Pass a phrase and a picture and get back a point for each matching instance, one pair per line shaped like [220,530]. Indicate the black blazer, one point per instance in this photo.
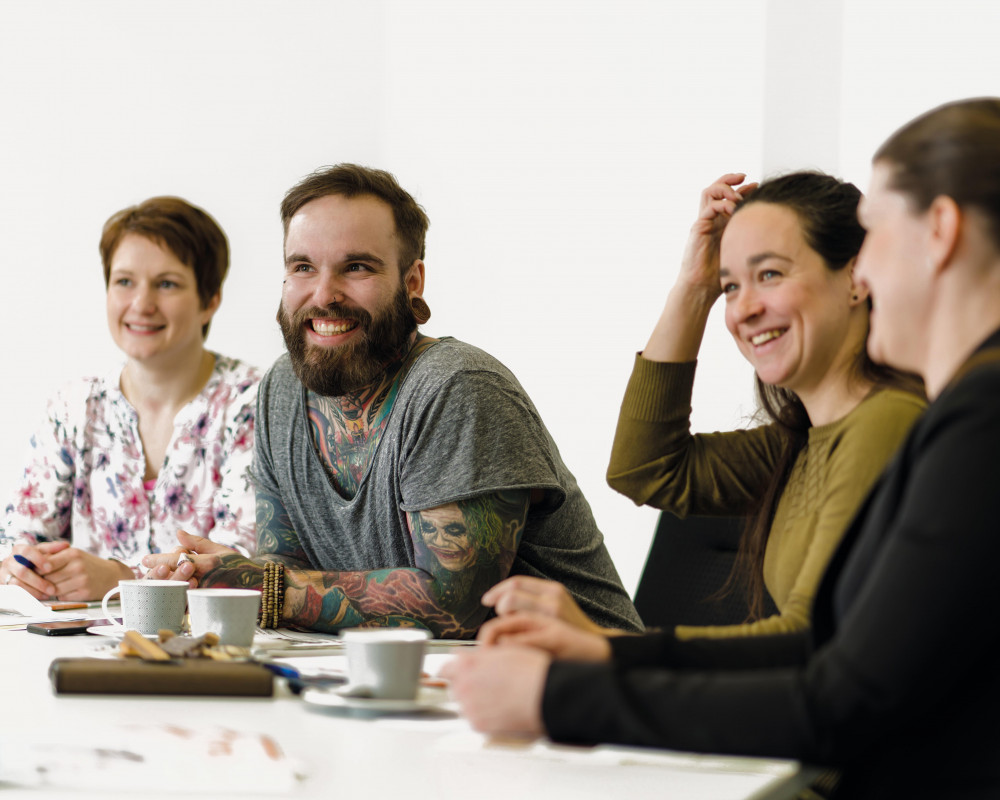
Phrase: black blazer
[899,681]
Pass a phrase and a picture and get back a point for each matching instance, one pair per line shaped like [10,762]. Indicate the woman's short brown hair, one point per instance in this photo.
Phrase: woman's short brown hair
[186,230]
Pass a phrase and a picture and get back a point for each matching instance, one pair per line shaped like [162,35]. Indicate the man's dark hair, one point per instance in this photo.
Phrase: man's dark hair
[352,180]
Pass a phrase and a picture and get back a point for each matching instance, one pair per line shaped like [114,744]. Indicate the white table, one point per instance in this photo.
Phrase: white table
[346,755]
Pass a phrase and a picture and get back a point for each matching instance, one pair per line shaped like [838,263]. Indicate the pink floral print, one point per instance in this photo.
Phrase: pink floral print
[84,476]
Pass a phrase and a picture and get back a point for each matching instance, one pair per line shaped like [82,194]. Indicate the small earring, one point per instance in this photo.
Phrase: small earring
[854,297]
[421,311]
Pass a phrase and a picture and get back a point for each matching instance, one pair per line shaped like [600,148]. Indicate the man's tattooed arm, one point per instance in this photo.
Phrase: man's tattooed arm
[276,538]
[460,550]
[276,541]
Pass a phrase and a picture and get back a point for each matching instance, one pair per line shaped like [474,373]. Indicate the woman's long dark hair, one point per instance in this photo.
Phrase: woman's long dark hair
[827,212]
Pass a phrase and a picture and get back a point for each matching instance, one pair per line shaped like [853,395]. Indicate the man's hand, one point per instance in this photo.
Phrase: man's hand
[500,688]
[555,637]
[548,598]
[193,560]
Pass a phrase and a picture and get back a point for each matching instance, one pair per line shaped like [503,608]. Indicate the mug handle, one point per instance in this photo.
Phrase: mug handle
[104,607]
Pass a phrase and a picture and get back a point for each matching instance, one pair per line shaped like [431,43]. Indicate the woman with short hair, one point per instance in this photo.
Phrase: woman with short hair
[122,462]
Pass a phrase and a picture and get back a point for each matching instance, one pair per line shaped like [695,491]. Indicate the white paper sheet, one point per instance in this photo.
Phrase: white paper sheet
[129,757]
[18,608]
[502,769]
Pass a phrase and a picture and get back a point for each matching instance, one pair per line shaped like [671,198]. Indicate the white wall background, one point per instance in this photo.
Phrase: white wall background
[558,146]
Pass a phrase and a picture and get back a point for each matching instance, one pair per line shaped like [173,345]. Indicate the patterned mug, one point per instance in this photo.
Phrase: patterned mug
[149,606]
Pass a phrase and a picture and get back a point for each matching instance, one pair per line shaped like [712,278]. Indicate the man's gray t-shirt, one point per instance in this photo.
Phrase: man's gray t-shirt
[461,426]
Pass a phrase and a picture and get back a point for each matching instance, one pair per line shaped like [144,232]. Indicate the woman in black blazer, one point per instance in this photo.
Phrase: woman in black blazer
[898,682]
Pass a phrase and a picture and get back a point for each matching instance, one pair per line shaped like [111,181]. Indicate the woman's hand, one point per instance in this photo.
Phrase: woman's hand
[63,572]
[33,581]
[700,265]
[79,575]
[554,636]
[679,331]
[500,689]
[547,598]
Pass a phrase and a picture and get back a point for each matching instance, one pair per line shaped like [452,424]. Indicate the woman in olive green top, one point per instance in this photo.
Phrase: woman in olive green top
[784,266]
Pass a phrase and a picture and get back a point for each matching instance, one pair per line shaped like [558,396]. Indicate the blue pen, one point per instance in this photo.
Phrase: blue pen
[26,562]
[282,671]
[297,681]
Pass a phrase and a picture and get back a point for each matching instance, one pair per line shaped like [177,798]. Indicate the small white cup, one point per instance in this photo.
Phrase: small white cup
[231,613]
[384,663]
[149,606]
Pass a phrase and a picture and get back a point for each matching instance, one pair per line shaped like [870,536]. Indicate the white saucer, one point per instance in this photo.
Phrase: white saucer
[429,698]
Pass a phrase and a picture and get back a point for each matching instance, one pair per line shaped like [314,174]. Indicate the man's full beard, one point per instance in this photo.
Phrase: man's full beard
[336,371]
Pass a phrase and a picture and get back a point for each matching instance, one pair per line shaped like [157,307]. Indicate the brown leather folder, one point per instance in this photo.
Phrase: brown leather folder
[191,676]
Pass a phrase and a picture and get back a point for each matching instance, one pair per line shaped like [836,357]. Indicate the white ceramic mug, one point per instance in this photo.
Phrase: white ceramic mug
[149,606]
[385,663]
[231,613]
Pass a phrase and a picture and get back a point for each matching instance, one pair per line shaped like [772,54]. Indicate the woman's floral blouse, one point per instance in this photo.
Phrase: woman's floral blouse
[84,479]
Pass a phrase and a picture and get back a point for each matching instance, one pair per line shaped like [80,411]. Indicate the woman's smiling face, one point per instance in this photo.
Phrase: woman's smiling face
[154,311]
[787,310]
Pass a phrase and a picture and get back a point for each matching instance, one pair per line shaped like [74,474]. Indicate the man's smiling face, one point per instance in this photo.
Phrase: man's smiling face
[344,310]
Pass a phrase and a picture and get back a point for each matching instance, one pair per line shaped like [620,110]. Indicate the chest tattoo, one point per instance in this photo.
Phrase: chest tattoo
[346,430]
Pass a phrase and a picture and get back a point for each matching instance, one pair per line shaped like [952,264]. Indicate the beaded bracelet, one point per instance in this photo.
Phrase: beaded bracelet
[277,593]
[265,597]
[265,591]
[272,594]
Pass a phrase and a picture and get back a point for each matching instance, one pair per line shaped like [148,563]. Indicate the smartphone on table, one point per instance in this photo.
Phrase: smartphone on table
[65,627]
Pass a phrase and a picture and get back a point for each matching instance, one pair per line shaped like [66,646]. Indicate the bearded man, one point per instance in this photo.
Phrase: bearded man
[381,453]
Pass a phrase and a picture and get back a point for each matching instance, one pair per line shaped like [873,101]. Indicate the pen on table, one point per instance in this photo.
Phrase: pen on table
[280,670]
[297,681]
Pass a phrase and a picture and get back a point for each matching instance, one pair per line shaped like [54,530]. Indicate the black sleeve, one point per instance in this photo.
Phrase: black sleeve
[663,649]
[717,712]
[915,646]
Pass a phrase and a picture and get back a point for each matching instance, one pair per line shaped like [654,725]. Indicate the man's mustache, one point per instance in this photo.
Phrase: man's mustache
[331,312]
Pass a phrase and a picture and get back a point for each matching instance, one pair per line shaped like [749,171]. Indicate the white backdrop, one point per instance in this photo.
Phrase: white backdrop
[558,147]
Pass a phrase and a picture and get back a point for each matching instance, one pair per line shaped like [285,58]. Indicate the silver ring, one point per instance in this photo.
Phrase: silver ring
[182,558]
[10,577]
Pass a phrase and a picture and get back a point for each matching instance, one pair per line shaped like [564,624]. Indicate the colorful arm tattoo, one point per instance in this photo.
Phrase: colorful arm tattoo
[460,549]
[276,539]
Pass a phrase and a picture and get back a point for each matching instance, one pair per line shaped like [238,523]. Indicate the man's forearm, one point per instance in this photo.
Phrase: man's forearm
[460,550]
[329,601]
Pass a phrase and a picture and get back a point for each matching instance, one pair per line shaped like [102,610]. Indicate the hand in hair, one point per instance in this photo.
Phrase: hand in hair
[700,264]
[678,333]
